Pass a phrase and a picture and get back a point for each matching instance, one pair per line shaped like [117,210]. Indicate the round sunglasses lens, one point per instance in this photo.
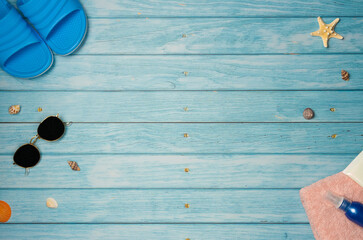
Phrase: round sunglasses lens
[27,156]
[51,129]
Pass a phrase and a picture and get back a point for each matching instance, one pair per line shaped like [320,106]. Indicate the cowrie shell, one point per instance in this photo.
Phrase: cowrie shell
[52,203]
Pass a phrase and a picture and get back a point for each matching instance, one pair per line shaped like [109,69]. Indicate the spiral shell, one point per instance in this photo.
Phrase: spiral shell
[345,75]
[52,203]
[15,109]
[74,166]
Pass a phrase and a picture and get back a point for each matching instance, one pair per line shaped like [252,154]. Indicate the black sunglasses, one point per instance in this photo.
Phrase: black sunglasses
[27,156]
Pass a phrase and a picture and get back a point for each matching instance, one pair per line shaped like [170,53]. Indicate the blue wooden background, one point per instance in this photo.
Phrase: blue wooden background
[218,87]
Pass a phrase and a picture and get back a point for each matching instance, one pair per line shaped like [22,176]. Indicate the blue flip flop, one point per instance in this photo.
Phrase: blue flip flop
[61,23]
[23,53]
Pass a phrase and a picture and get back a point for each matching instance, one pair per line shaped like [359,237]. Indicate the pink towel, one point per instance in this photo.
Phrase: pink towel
[327,222]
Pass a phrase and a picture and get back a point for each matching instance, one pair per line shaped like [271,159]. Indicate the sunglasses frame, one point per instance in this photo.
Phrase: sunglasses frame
[27,169]
[39,137]
[34,139]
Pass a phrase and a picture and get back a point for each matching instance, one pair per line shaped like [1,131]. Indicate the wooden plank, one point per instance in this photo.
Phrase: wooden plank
[155,206]
[155,231]
[218,36]
[216,8]
[235,106]
[214,72]
[168,171]
[89,138]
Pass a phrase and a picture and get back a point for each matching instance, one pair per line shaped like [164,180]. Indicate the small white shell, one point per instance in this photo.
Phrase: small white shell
[15,109]
[52,203]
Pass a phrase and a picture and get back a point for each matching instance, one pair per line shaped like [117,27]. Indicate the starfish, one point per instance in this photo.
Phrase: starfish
[326,31]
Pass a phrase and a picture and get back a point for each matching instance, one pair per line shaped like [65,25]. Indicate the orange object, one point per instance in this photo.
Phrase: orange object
[5,212]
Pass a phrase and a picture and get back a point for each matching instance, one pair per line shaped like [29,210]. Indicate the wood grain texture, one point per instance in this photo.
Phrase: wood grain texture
[202,138]
[216,8]
[217,72]
[156,231]
[133,173]
[155,206]
[168,171]
[218,36]
[235,106]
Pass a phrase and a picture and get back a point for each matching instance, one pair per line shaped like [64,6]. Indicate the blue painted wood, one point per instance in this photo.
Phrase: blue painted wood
[243,30]
[168,171]
[235,106]
[216,8]
[156,231]
[201,138]
[155,206]
[217,72]
[218,36]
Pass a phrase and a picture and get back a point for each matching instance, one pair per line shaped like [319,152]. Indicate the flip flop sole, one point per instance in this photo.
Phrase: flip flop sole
[81,42]
[61,23]
[68,35]
[35,60]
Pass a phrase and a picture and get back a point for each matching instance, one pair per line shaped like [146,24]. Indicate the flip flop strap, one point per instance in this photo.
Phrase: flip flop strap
[46,14]
[15,34]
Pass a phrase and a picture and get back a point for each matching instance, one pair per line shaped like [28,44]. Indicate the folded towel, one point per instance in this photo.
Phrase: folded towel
[327,222]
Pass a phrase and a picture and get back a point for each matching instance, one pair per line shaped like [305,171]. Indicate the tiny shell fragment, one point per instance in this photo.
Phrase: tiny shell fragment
[52,203]
[15,109]
[74,166]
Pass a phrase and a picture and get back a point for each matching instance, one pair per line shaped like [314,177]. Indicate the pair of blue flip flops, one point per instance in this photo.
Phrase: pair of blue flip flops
[61,26]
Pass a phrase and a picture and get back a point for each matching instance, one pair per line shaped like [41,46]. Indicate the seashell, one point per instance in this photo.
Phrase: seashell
[15,109]
[52,203]
[5,212]
[74,165]
[308,113]
[345,75]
